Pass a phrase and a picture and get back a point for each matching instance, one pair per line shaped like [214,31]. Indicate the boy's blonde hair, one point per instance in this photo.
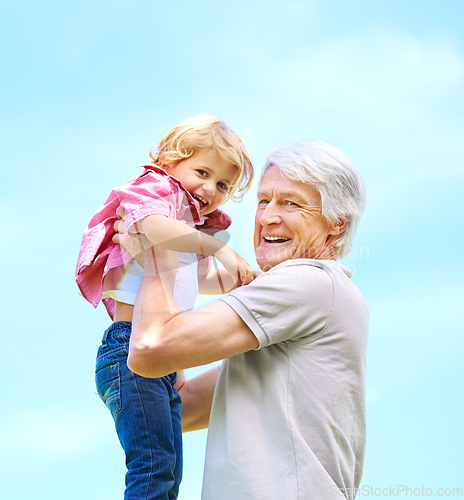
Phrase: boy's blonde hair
[207,132]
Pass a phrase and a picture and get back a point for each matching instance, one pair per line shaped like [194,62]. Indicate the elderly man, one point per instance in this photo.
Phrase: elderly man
[288,415]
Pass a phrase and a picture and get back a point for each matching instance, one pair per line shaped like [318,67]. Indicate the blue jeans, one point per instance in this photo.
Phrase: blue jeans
[146,412]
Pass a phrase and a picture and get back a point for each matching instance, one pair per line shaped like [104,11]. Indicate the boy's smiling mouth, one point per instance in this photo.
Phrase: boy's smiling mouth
[202,201]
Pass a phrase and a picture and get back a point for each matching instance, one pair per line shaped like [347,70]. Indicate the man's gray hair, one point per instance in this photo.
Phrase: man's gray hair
[331,172]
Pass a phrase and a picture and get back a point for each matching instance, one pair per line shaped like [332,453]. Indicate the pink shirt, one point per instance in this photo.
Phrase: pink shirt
[152,192]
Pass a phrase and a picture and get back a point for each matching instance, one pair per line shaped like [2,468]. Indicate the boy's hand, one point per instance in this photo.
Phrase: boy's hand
[236,266]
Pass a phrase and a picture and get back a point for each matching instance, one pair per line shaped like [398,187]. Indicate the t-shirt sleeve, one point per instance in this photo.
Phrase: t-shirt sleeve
[286,303]
[147,195]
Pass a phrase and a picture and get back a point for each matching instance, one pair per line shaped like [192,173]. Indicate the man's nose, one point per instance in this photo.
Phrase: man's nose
[270,215]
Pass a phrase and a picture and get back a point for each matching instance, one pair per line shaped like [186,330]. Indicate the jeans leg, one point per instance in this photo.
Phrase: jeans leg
[147,418]
[145,430]
[176,408]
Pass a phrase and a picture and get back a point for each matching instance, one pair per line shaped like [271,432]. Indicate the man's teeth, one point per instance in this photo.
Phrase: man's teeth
[276,238]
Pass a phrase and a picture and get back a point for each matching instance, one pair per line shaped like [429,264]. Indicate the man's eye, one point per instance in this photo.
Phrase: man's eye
[291,203]
[263,202]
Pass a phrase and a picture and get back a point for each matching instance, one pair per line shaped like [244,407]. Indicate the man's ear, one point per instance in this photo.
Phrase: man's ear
[338,227]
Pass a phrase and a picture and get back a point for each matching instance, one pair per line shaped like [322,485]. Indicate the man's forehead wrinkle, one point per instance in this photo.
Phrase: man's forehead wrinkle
[287,191]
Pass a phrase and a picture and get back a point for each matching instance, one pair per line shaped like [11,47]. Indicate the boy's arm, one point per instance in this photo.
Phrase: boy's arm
[216,282]
[180,237]
[219,281]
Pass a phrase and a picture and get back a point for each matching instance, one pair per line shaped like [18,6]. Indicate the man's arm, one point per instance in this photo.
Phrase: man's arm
[164,341]
[197,398]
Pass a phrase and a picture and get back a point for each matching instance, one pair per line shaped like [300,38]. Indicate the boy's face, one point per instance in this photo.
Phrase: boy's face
[206,176]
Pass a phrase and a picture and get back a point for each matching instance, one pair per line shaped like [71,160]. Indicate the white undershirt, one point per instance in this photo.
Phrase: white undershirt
[123,282]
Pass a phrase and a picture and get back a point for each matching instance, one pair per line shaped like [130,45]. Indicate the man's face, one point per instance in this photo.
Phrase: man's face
[288,222]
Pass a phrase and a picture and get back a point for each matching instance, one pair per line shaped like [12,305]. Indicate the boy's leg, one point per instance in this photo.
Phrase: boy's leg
[145,430]
[176,408]
[142,413]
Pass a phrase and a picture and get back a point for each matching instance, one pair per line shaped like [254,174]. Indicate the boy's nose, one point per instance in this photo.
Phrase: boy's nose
[209,188]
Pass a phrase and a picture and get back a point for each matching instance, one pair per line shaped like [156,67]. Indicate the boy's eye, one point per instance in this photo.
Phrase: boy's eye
[223,186]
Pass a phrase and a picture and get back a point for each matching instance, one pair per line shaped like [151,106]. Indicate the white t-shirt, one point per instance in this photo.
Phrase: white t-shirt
[123,282]
[288,419]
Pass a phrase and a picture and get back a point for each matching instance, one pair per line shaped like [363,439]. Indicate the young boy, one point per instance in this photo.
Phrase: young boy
[198,166]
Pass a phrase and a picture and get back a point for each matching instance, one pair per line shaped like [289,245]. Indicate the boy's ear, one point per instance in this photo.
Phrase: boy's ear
[164,162]
[338,227]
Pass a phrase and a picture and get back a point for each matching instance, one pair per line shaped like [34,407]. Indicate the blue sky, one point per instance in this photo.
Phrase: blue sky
[89,87]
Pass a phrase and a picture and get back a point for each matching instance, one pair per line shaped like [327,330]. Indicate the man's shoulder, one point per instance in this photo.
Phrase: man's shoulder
[291,300]
[309,278]
[304,277]
[307,267]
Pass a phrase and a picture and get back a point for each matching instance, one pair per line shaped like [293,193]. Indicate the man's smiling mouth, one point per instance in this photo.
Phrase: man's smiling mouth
[201,200]
[275,239]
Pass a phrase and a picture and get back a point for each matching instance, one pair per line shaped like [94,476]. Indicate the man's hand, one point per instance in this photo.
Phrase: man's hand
[137,244]
[156,260]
